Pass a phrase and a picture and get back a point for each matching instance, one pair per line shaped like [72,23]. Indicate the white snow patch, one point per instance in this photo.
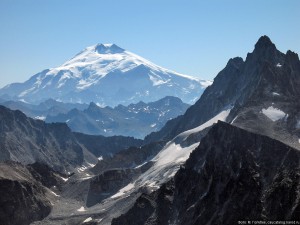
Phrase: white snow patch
[27,91]
[91,165]
[275,93]
[84,167]
[140,165]
[23,100]
[153,125]
[101,105]
[68,120]
[64,179]
[273,113]
[100,158]
[234,119]
[153,184]
[157,80]
[88,220]
[205,83]
[278,65]
[166,164]
[86,178]
[52,192]
[81,209]
[123,191]
[40,117]
[173,153]
[221,116]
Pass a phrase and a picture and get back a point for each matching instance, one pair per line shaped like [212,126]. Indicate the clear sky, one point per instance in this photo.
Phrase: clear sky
[192,37]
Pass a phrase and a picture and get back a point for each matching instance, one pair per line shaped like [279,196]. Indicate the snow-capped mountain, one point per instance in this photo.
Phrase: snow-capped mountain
[108,75]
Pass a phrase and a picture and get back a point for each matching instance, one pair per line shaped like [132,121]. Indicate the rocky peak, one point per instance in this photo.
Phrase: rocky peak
[93,106]
[265,51]
[235,62]
[108,49]
[292,59]
[264,42]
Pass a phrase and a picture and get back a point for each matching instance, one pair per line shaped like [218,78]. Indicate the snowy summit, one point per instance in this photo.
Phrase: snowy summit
[108,75]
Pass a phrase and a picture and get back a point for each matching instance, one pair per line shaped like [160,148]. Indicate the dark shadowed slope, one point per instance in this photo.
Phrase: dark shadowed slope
[233,175]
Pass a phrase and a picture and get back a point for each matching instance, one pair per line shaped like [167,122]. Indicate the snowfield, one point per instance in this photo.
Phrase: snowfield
[273,113]
[167,162]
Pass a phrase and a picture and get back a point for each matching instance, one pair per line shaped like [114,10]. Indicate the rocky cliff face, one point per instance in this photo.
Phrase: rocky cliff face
[128,158]
[266,78]
[273,108]
[233,175]
[26,140]
[107,184]
[23,199]
[102,146]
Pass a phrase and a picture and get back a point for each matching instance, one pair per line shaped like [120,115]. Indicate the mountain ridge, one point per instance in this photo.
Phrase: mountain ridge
[264,72]
[135,120]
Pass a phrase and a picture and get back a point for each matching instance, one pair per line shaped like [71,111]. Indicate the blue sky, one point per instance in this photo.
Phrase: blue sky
[192,37]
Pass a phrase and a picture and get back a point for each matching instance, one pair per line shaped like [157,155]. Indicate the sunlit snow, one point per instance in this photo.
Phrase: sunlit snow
[273,113]
[64,179]
[123,191]
[52,192]
[168,160]
[81,209]
[221,116]
[102,64]
[88,220]
[40,117]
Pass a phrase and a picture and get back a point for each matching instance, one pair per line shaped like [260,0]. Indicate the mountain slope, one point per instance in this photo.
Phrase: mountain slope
[23,199]
[26,140]
[108,75]
[267,78]
[135,120]
[234,175]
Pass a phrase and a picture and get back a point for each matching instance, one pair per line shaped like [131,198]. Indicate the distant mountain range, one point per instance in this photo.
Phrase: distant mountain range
[50,107]
[136,120]
[107,75]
